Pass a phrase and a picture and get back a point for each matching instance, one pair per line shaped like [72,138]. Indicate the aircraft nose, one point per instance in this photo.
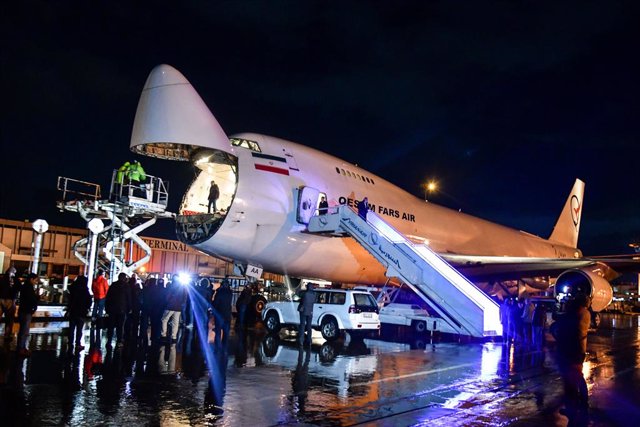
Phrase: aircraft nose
[164,75]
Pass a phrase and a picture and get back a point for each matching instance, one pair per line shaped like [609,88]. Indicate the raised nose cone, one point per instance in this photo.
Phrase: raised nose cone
[172,121]
[164,75]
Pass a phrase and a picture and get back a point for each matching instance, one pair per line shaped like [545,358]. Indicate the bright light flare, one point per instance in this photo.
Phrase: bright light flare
[432,186]
[184,278]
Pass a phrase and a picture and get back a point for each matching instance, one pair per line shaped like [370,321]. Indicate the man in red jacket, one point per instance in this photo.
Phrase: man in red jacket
[100,286]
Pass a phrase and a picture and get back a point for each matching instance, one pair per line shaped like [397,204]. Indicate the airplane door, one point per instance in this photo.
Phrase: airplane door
[307,202]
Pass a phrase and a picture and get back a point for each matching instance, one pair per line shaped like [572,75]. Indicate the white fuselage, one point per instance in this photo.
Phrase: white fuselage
[261,227]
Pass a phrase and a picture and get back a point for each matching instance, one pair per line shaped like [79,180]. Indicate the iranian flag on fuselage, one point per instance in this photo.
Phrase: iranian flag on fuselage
[269,163]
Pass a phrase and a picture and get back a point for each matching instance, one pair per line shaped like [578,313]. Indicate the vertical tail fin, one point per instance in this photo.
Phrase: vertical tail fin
[567,227]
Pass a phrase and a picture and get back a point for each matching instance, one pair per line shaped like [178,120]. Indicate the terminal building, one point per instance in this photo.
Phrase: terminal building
[58,261]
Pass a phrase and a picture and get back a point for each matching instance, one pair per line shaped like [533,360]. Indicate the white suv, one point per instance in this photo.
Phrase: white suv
[335,311]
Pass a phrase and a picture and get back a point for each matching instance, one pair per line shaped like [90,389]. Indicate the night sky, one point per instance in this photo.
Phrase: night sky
[504,103]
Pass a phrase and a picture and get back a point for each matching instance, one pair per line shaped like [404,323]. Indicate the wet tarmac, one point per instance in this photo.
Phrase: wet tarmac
[260,380]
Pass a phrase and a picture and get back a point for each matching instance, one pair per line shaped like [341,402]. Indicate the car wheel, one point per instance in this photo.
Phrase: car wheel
[420,326]
[258,305]
[272,322]
[329,329]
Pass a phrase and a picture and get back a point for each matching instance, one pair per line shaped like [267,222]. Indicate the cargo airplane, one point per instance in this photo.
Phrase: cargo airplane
[269,187]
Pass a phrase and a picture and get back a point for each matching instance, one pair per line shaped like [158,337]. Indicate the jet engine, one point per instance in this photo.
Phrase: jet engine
[585,281]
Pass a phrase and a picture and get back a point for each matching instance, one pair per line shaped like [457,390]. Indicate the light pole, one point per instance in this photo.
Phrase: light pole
[430,187]
[96,226]
[40,226]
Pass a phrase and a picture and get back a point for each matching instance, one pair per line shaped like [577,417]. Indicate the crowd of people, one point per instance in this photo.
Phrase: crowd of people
[153,311]
[523,322]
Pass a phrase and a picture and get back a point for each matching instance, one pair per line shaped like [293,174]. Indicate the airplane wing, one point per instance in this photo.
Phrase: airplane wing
[489,268]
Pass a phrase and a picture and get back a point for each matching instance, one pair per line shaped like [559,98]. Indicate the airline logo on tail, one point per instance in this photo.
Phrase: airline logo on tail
[575,210]
[566,230]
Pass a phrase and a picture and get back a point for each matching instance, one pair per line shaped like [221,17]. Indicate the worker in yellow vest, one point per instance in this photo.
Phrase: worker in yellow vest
[136,176]
[121,174]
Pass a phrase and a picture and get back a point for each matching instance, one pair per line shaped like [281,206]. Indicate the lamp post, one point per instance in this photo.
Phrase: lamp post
[96,226]
[40,226]
[430,187]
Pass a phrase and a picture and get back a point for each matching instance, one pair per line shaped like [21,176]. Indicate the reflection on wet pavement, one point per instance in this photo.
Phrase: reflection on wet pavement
[269,380]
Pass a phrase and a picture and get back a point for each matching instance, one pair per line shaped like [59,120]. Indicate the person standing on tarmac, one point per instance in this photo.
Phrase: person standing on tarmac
[118,304]
[133,319]
[222,312]
[305,308]
[100,287]
[28,305]
[243,302]
[570,332]
[504,319]
[538,325]
[9,287]
[176,300]
[79,304]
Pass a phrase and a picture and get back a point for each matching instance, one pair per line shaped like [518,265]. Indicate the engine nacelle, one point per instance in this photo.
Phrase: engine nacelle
[586,281]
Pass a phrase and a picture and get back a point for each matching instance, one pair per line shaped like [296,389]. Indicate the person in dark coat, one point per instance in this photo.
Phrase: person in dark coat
[214,193]
[243,302]
[28,305]
[9,287]
[505,319]
[323,206]
[133,319]
[118,305]
[157,310]
[363,208]
[538,325]
[570,332]
[222,312]
[149,296]
[305,308]
[79,304]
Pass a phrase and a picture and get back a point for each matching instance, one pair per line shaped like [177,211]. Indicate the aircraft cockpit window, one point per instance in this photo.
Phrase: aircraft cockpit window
[245,143]
[338,170]
[343,172]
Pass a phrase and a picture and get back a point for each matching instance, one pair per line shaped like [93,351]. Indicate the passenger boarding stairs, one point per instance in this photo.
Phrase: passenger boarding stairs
[464,308]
